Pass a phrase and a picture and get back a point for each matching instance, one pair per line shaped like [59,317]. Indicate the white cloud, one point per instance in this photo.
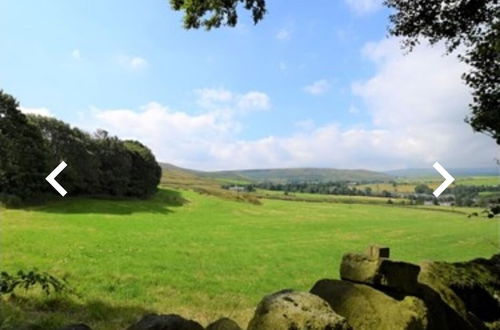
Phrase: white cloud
[37,111]
[254,101]
[76,54]
[421,100]
[282,65]
[364,6]
[172,135]
[213,97]
[283,34]
[223,99]
[317,87]
[134,63]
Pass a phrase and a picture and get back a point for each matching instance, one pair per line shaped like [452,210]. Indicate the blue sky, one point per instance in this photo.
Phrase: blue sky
[310,85]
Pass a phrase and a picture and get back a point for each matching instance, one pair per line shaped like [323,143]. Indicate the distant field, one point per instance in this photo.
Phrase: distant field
[204,257]
[479,180]
[328,198]
[408,185]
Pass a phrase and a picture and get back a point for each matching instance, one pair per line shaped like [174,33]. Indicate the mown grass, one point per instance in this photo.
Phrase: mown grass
[206,257]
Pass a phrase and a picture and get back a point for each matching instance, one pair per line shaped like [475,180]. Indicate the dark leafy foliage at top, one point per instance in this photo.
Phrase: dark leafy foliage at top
[214,13]
[471,24]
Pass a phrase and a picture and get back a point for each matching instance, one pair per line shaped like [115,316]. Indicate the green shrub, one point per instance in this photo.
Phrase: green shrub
[30,279]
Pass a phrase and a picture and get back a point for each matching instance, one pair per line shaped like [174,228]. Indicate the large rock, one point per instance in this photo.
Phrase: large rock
[367,308]
[396,275]
[471,289]
[224,324]
[165,322]
[295,310]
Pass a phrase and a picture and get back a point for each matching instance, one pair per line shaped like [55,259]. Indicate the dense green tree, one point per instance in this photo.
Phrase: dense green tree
[473,25]
[76,148]
[423,189]
[23,154]
[115,165]
[214,13]
[145,172]
[31,146]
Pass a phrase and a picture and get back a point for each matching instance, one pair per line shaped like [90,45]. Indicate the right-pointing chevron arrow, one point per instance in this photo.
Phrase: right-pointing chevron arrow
[447,176]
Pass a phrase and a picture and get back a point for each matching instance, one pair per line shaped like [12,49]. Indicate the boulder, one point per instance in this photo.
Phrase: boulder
[365,307]
[224,324]
[165,322]
[289,309]
[396,275]
[76,326]
[471,289]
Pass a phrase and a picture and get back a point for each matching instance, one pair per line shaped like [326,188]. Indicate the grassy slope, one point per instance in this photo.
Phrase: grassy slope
[210,257]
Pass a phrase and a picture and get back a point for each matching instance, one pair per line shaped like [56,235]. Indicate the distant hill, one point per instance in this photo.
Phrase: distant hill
[429,172]
[289,175]
[308,175]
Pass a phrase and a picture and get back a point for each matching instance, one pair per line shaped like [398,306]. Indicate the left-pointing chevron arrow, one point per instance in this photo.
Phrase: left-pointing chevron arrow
[51,178]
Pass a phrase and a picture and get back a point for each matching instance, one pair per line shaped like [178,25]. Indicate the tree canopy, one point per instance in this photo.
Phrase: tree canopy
[31,146]
[214,13]
[471,24]
[22,153]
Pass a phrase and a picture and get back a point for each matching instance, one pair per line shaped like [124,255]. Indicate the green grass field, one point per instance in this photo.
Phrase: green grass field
[205,257]
[479,181]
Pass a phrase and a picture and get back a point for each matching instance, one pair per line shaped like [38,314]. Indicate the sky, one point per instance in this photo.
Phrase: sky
[315,84]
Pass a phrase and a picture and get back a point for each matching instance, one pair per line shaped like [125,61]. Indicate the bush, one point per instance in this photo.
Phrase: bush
[28,280]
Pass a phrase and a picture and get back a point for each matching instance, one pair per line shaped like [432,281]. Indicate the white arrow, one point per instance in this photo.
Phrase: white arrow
[51,178]
[448,179]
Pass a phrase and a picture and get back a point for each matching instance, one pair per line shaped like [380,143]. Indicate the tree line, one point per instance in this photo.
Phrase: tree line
[31,146]
[324,188]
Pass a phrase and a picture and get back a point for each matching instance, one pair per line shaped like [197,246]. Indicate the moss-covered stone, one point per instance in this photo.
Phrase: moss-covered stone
[367,308]
[289,309]
[224,324]
[471,288]
[397,275]
[165,322]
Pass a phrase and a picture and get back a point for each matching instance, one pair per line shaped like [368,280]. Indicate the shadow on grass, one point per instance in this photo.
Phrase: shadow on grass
[53,313]
[161,202]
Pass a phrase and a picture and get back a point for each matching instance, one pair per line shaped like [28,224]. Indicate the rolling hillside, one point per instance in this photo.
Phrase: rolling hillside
[286,175]
[308,175]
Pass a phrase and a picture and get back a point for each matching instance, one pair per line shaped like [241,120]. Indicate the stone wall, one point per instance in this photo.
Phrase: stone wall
[374,292]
